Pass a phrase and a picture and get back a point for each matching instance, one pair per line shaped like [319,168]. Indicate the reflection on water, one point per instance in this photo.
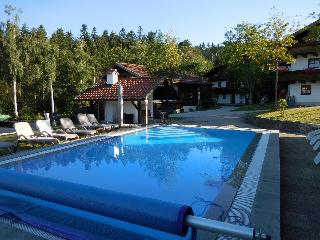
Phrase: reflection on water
[173,164]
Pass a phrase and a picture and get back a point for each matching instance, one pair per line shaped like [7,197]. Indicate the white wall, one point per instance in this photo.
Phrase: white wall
[223,84]
[313,99]
[227,99]
[239,99]
[128,108]
[110,111]
[301,62]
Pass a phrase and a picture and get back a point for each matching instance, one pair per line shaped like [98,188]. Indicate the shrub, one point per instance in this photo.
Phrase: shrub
[4,117]
[282,105]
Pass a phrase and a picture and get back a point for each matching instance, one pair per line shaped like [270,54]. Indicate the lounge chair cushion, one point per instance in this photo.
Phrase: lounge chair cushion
[25,133]
[82,131]
[92,118]
[45,128]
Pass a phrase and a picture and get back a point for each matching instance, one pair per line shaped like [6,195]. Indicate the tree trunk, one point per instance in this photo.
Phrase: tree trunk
[52,98]
[250,96]
[276,89]
[250,84]
[15,98]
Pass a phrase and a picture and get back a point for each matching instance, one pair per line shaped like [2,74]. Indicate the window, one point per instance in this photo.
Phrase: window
[314,63]
[224,96]
[219,84]
[305,89]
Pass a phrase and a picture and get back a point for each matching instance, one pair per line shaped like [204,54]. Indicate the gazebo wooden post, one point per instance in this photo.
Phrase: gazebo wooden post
[120,105]
[146,111]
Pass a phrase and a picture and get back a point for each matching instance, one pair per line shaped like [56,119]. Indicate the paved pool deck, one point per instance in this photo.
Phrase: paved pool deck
[300,189]
[222,117]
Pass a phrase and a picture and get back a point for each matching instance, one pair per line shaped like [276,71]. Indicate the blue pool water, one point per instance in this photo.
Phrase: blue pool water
[175,164]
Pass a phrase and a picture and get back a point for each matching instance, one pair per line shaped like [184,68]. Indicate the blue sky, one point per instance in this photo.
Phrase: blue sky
[196,20]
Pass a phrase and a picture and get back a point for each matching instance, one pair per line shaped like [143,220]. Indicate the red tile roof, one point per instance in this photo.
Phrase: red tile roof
[133,89]
[111,70]
[135,69]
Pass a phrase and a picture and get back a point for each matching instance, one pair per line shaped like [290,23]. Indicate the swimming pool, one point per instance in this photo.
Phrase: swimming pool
[174,164]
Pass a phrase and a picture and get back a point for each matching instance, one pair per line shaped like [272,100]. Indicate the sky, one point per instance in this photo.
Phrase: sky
[196,20]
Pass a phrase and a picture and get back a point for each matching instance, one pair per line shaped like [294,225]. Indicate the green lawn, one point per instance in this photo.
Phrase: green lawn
[299,114]
[255,107]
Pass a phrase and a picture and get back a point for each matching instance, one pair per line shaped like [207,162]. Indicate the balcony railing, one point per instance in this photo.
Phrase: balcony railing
[300,75]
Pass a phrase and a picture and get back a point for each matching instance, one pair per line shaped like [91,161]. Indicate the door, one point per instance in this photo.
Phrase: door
[233,99]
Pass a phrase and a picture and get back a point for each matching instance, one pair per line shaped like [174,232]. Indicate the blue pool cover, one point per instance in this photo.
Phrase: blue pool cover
[160,215]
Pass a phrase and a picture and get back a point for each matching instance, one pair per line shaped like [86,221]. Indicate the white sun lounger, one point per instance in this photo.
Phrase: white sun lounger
[26,134]
[46,129]
[86,124]
[69,127]
[316,146]
[312,134]
[314,139]
[317,159]
[92,118]
[84,121]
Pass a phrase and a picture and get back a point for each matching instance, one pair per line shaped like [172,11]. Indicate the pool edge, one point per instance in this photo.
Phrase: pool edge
[19,156]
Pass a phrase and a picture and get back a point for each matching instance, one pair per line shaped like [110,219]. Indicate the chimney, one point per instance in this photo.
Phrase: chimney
[112,76]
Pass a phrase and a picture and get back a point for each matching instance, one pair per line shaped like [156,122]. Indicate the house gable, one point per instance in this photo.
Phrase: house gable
[131,70]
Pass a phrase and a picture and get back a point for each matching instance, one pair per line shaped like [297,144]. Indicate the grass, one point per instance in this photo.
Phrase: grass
[299,114]
[255,107]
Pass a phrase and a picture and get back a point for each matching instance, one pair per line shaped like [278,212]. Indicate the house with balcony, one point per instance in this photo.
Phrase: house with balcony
[223,89]
[181,91]
[301,80]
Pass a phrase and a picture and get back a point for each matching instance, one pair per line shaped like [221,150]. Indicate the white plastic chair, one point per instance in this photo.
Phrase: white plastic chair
[92,118]
[69,127]
[46,129]
[26,134]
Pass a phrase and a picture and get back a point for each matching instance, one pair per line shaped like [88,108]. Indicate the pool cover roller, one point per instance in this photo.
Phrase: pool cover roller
[151,213]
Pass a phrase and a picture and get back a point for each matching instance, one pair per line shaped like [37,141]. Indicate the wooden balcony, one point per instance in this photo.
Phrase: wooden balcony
[306,48]
[300,75]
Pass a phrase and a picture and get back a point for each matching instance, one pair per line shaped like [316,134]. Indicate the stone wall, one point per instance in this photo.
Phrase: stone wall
[283,126]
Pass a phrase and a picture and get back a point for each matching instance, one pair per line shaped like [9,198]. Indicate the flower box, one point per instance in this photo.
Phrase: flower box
[309,70]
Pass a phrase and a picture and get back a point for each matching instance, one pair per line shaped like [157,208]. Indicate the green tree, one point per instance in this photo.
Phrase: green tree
[242,54]
[193,61]
[55,69]
[258,49]
[279,39]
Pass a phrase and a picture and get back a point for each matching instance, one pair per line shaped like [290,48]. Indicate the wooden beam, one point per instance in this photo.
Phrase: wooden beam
[135,105]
